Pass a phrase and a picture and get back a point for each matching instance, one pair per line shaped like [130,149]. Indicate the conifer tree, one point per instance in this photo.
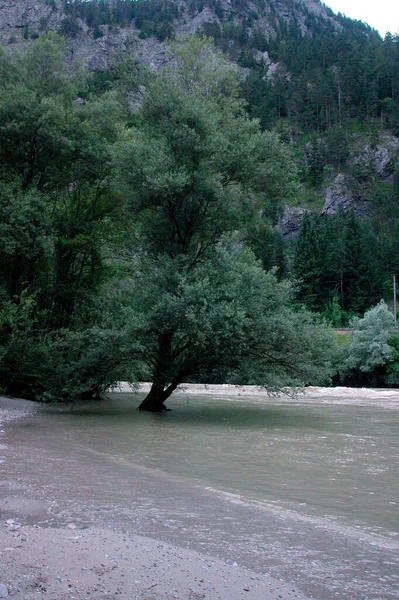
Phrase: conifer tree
[307,267]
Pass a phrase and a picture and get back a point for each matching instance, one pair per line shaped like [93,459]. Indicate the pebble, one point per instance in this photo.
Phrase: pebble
[3,591]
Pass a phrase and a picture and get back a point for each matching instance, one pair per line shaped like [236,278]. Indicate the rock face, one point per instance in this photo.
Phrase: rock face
[95,53]
[342,195]
[377,160]
[291,221]
[18,14]
[36,16]
[42,15]
[379,157]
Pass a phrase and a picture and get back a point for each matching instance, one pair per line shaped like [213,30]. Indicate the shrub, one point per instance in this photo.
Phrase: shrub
[368,350]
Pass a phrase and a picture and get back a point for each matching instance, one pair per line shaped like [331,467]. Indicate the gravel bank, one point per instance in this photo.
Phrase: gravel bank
[226,389]
[15,408]
[75,564]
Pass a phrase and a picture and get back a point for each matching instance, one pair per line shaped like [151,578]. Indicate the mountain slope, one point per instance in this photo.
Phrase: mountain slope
[328,85]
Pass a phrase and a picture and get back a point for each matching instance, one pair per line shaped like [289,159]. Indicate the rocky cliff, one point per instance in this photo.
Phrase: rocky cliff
[21,20]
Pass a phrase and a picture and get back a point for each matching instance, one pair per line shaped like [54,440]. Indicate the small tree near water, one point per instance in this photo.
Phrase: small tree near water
[368,348]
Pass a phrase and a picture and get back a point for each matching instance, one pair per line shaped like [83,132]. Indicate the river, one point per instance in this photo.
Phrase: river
[305,489]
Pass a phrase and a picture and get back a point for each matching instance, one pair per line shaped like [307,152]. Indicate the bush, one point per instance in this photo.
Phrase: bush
[63,365]
[392,376]
[70,27]
[368,350]
[97,33]
[80,365]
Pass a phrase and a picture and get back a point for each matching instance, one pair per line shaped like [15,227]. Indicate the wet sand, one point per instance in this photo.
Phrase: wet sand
[71,561]
[61,564]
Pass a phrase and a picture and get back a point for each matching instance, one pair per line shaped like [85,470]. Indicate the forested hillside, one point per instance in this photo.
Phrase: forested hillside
[151,181]
[328,85]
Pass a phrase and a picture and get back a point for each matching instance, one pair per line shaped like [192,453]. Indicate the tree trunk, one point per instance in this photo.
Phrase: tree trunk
[154,401]
[161,389]
[159,392]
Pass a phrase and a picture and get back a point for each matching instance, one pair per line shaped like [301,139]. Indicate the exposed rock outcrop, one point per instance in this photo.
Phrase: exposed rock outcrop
[95,54]
[379,158]
[16,14]
[290,221]
[342,195]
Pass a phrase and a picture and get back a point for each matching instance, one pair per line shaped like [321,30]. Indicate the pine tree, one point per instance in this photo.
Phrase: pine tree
[307,268]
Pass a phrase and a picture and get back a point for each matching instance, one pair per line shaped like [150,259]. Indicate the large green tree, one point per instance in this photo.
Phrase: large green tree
[57,210]
[195,169]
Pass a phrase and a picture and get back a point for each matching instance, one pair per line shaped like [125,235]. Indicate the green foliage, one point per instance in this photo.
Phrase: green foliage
[43,69]
[152,17]
[194,168]
[70,27]
[97,33]
[334,314]
[334,79]
[82,364]
[224,319]
[368,348]
[336,148]
[308,263]
[20,326]
[315,163]
[341,338]
[57,213]
[25,228]
[191,167]
[333,267]
[392,376]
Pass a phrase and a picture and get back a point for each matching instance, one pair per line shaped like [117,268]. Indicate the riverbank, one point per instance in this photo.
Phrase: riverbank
[226,389]
[15,408]
[100,564]
[43,558]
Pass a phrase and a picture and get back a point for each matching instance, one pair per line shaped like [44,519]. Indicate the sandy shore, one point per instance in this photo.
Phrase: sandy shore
[67,564]
[75,562]
[12,408]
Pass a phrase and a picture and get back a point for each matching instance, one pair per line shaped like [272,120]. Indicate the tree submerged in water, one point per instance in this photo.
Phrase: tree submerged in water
[224,319]
[198,176]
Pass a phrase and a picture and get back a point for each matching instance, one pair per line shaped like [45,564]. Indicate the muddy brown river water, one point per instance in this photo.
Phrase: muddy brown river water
[306,490]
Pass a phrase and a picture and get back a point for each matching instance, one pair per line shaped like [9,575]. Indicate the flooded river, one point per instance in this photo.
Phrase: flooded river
[307,489]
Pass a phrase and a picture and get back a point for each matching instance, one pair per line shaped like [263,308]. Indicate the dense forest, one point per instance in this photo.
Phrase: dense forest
[140,239]
[336,73]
